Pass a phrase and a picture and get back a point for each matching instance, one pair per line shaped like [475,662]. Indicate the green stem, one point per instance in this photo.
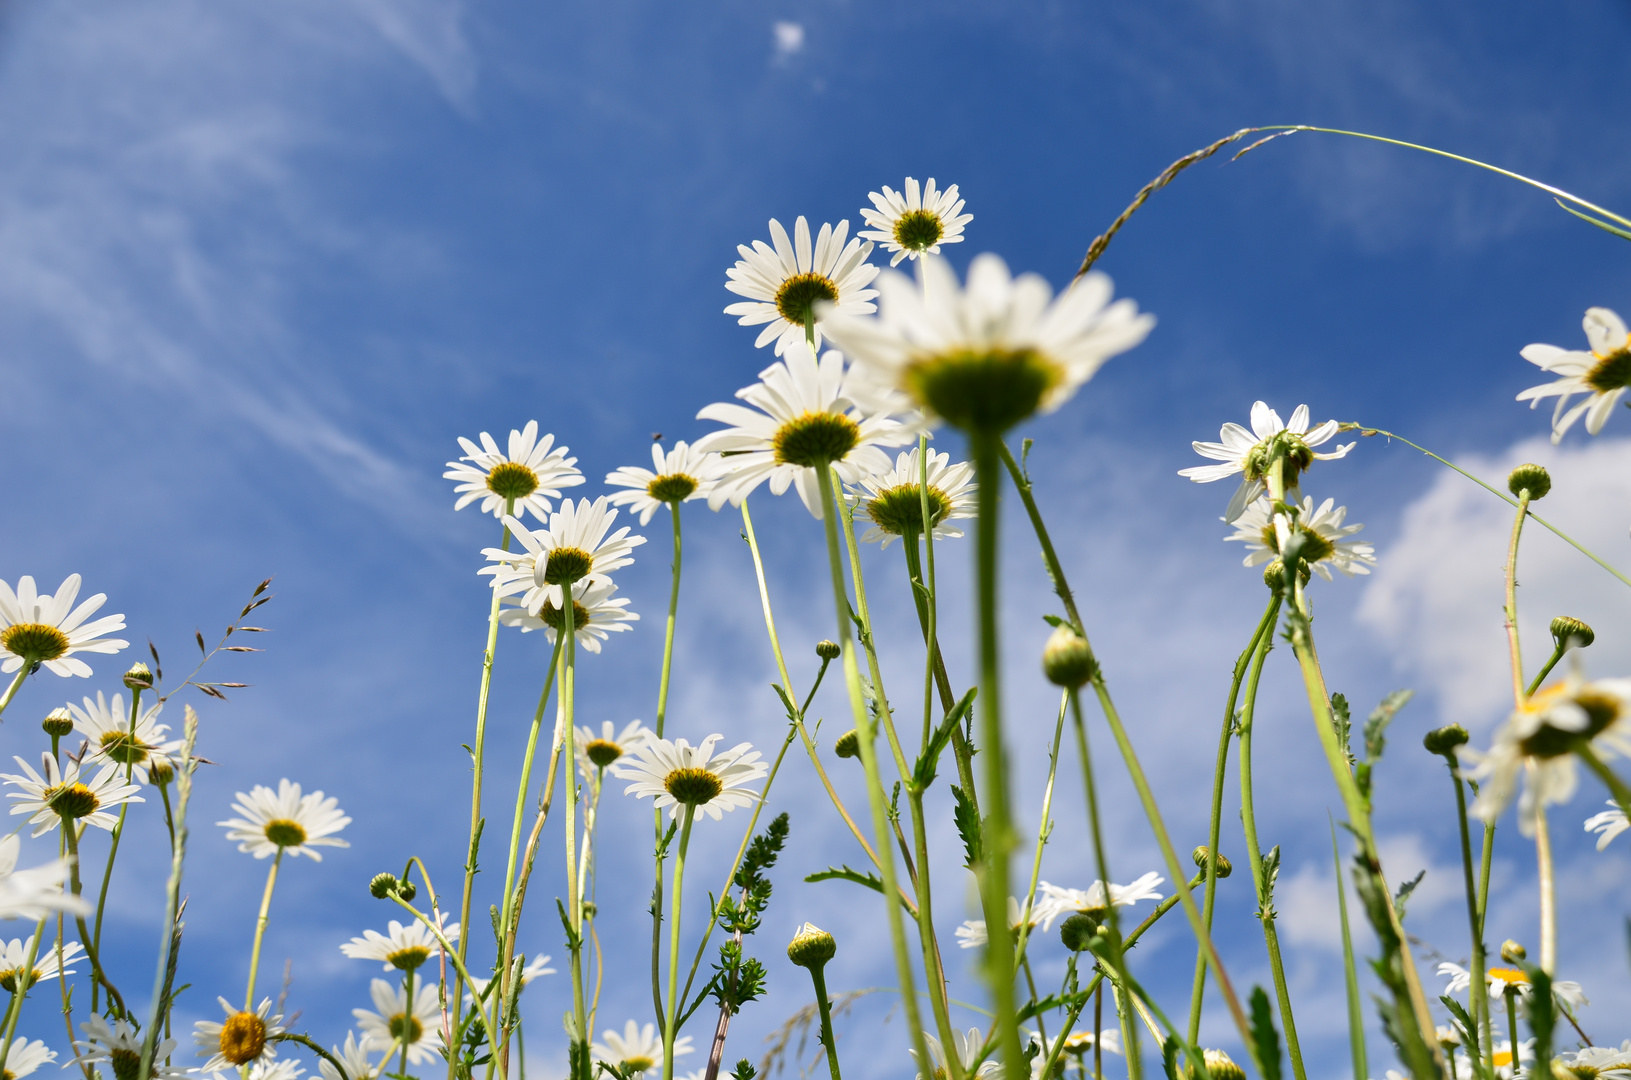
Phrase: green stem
[669,1031]
[169,942]
[1616,786]
[1546,668]
[863,611]
[825,1008]
[961,751]
[1548,891]
[1512,600]
[463,974]
[1486,859]
[1478,988]
[23,978]
[260,929]
[407,986]
[668,632]
[567,634]
[118,832]
[1511,1025]
[1356,1016]
[16,684]
[1044,830]
[70,836]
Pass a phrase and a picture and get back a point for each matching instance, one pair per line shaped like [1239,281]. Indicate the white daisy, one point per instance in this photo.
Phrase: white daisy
[404,948]
[1078,1043]
[1504,980]
[531,473]
[49,630]
[536,968]
[1057,901]
[37,892]
[1598,1062]
[56,794]
[353,1056]
[597,752]
[1502,1058]
[107,727]
[784,284]
[119,1046]
[285,821]
[972,933]
[894,499]
[1603,373]
[1246,452]
[676,773]
[804,416]
[14,957]
[595,613]
[1538,740]
[26,1056]
[1081,1042]
[1325,542]
[968,1049]
[420,1031]
[987,356]
[912,222]
[266,1070]
[574,546]
[1608,824]
[683,474]
[241,1038]
[638,1047]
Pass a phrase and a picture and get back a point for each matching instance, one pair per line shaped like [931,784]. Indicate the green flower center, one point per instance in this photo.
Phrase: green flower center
[243,1037]
[983,391]
[671,488]
[1612,372]
[120,746]
[556,620]
[1601,711]
[1298,457]
[692,786]
[10,977]
[72,800]
[1582,1072]
[127,1064]
[285,833]
[407,1028]
[799,294]
[408,959]
[816,439]
[917,230]
[512,480]
[602,752]
[638,1064]
[899,509]
[1315,546]
[34,641]
[567,564]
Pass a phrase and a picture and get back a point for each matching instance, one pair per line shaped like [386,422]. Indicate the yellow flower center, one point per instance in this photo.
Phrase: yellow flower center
[122,747]
[799,294]
[1509,975]
[512,480]
[899,509]
[34,641]
[285,833]
[816,439]
[243,1037]
[1315,546]
[1546,742]
[408,959]
[566,565]
[671,488]
[72,800]
[693,786]
[638,1063]
[918,230]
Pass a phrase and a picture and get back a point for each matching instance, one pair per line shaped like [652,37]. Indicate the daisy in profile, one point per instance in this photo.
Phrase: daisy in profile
[804,418]
[596,612]
[14,959]
[1247,453]
[531,473]
[787,285]
[419,1030]
[1057,901]
[536,968]
[25,1057]
[36,628]
[676,774]
[1596,1062]
[1082,1042]
[1602,374]
[972,934]
[638,1049]
[353,1056]
[985,356]
[1608,824]
[285,822]
[267,1070]
[119,1046]
[404,948]
[893,500]
[682,474]
[37,892]
[1502,981]
[243,1037]
[1325,538]
[573,547]
[602,751]
[106,726]
[916,221]
[968,1051]
[54,796]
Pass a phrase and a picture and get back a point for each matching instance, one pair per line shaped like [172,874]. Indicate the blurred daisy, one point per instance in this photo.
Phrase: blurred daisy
[1056,901]
[683,474]
[420,1031]
[1081,1042]
[915,221]
[1603,373]
[987,356]
[894,499]
[1503,980]
[531,473]
[285,821]
[267,1070]
[404,948]
[1502,1058]
[26,1056]
[1325,542]
[968,1050]
[638,1049]
[51,795]
[804,417]
[1597,1062]
[972,933]
[107,727]
[784,284]
[14,958]
[595,613]
[601,751]
[119,1046]
[1608,824]
[45,629]
[1246,452]
[574,546]
[37,892]
[353,1056]
[241,1038]
[676,773]
[536,968]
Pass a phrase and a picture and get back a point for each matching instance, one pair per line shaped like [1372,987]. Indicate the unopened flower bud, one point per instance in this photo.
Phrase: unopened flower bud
[1567,632]
[1443,741]
[383,886]
[828,650]
[406,890]
[160,772]
[1512,952]
[1274,574]
[139,677]
[58,722]
[1078,931]
[811,947]
[1067,660]
[1531,478]
[1218,1064]
[1203,853]
[848,744]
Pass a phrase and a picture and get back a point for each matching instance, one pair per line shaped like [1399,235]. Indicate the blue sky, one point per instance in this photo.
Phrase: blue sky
[260,266]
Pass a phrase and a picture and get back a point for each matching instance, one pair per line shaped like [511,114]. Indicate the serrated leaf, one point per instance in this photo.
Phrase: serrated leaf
[1342,721]
[968,826]
[1379,719]
[1469,1030]
[1264,1037]
[924,772]
[1401,897]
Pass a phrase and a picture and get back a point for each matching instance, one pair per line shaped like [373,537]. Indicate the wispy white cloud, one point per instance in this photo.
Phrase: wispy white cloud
[788,39]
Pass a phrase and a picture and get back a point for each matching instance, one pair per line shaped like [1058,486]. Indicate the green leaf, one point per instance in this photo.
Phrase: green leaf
[968,826]
[1464,1023]
[1540,1007]
[1379,719]
[1603,225]
[787,702]
[1341,720]
[1401,897]
[1264,1037]
[844,873]
[1169,1056]
[923,773]
[1054,621]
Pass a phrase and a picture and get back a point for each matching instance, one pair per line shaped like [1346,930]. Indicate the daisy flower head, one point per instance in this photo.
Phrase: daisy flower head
[972,934]
[26,1056]
[574,546]
[1603,373]
[37,892]
[268,1070]
[792,286]
[536,968]
[1502,981]
[285,821]
[353,1056]
[106,725]
[805,417]
[985,356]
[404,948]
[1082,1042]
[1608,824]
[638,1049]
[916,221]
[678,774]
[1504,1054]
[241,1038]
[1325,538]
[1538,740]
[1597,1062]
[53,794]
[682,474]
[119,1046]
[595,613]
[602,750]
[525,478]
[1251,453]
[967,1048]
[894,499]
[14,963]
[419,1029]
[1057,901]
[37,628]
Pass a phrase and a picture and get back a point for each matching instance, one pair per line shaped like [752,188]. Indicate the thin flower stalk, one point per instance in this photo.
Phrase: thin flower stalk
[1478,989]
[668,630]
[1350,970]
[70,836]
[168,940]
[463,974]
[920,572]
[260,929]
[670,1013]
[14,1008]
[1548,892]
[574,910]
[1511,610]
[1044,831]
[113,843]
[11,692]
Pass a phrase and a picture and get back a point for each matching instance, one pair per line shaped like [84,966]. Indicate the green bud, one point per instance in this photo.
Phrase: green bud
[1444,740]
[58,722]
[1567,633]
[828,650]
[160,772]
[383,886]
[406,890]
[1274,574]
[811,947]
[1202,853]
[1067,660]
[1218,1064]
[1529,477]
[1078,931]
[139,677]
[848,744]
[1512,952]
